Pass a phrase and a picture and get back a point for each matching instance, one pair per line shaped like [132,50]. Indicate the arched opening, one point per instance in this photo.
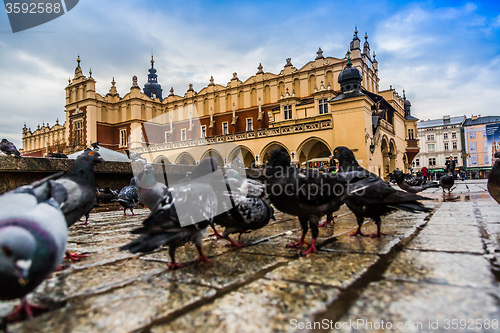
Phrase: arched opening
[392,155]
[270,147]
[162,159]
[296,87]
[215,154]
[242,154]
[185,159]
[313,148]
[253,97]
[312,84]
[385,158]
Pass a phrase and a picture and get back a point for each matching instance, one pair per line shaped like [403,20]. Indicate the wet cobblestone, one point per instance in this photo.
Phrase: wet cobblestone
[429,268]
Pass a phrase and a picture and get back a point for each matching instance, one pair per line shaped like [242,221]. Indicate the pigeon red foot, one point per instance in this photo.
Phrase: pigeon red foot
[299,243]
[73,256]
[311,249]
[203,258]
[26,309]
[175,265]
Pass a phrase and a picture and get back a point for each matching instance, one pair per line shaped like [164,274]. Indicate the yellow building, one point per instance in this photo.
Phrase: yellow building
[309,110]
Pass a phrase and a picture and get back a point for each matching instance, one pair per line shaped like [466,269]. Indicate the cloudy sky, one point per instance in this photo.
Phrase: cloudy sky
[445,54]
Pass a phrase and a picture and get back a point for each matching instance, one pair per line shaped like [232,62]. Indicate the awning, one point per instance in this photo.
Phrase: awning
[106,154]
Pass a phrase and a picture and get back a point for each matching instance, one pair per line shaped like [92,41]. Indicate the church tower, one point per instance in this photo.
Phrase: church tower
[153,88]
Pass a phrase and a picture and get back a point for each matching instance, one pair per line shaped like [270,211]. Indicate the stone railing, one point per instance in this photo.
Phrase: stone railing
[249,135]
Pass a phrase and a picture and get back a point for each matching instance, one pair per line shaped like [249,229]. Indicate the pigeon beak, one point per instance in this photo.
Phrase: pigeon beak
[22,271]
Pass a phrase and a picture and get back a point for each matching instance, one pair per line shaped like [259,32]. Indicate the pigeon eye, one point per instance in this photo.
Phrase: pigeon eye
[7,251]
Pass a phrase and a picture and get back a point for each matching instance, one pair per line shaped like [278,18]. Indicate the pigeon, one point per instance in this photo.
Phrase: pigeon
[370,196]
[249,209]
[309,195]
[494,179]
[400,180]
[447,181]
[80,184]
[135,157]
[128,197]
[9,148]
[58,155]
[149,189]
[73,190]
[106,195]
[33,237]
[180,216]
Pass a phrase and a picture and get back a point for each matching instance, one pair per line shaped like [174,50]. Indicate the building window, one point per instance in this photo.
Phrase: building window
[430,137]
[445,135]
[472,135]
[454,145]
[123,137]
[323,106]
[473,147]
[167,137]
[203,131]
[287,111]
[473,159]
[249,124]
[183,134]
[455,158]
[484,133]
[417,162]
[78,130]
[446,146]
[454,135]
[411,134]
[431,147]
[224,128]
[432,161]
[486,159]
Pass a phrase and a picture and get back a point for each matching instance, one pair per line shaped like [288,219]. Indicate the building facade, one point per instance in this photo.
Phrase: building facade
[309,110]
[481,143]
[439,139]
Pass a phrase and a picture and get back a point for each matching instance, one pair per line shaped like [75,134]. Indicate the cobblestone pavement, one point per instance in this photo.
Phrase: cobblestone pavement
[433,272]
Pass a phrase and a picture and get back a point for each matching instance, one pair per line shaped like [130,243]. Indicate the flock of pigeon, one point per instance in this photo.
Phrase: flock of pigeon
[34,219]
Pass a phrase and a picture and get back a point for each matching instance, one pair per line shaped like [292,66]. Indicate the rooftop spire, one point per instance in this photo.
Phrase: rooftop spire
[349,63]
[78,60]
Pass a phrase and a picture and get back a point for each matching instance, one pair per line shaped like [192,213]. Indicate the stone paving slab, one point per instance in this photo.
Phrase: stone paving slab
[420,305]
[325,268]
[457,269]
[262,306]
[121,310]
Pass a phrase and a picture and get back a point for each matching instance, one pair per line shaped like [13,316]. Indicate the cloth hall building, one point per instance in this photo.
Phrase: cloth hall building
[308,110]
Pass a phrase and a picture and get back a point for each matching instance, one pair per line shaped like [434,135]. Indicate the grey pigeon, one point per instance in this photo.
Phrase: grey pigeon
[128,197]
[149,189]
[494,179]
[245,213]
[77,186]
[135,157]
[180,216]
[9,148]
[369,195]
[309,195]
[400,180]
[33,237]
[80,185]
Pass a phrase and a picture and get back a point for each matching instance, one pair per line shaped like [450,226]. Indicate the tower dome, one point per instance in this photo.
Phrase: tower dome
[350,78]
[153,87]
